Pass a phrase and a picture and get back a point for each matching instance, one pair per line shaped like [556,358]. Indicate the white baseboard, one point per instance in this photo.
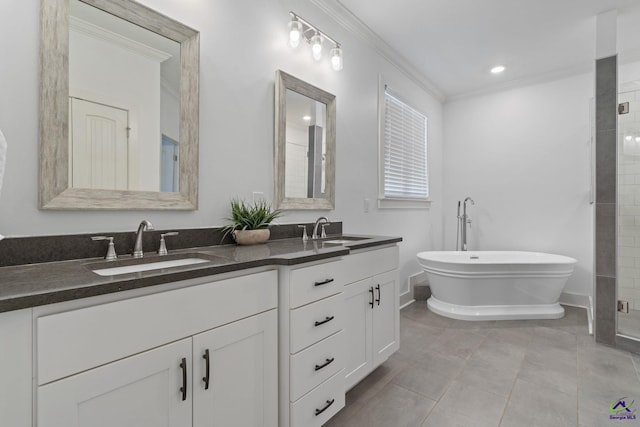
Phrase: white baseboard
[406,304]
[417,278]
[582,301]
[575,300]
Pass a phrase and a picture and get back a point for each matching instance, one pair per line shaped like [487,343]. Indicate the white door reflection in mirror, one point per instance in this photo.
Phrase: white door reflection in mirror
[98,146]
[114,62]
[305,147]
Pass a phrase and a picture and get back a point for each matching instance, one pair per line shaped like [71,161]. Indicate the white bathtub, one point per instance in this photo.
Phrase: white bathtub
[493,285]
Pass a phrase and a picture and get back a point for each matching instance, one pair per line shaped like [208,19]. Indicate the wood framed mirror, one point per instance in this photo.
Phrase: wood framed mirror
[305,145]
[75,145]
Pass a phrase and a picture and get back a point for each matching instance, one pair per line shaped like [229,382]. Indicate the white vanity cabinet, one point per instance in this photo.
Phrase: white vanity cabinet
[200,355]
[15,368]
[338,320]
[372,311]
[312,346]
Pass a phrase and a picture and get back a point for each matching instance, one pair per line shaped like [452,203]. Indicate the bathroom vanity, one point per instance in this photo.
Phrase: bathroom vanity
[272,335]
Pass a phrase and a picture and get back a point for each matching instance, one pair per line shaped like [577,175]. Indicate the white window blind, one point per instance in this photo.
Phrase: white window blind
[405,174]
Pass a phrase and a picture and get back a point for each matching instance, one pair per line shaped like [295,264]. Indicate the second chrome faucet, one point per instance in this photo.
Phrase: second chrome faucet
[323,234]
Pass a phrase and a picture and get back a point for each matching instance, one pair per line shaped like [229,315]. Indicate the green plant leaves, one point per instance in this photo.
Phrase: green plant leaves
[250,216]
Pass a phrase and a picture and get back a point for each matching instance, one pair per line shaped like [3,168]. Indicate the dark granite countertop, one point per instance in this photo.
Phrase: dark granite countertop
[30,285]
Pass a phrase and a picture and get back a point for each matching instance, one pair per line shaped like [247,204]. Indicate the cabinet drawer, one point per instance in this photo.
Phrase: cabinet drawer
[327,398]
[314,322]
[309,284]
[370,263]
[315,364]
[78,340]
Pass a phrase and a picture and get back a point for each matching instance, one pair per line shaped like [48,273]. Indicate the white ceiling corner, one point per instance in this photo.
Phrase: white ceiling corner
[448,47]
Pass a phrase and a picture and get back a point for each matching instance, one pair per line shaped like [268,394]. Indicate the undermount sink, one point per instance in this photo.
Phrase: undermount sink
[104,270]
[343,240]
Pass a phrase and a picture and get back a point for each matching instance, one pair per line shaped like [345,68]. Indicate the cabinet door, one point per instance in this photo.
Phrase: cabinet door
[386,317]
[15,368]
[358,299]
[243,373]
[139,391]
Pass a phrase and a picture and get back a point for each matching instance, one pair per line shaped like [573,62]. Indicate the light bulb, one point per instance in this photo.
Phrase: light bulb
[498,69]
[637,138]
[628,138]
[316,46]
[295,32]
[336,58]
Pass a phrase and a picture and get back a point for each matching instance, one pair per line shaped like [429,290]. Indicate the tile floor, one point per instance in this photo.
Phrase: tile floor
[508,373]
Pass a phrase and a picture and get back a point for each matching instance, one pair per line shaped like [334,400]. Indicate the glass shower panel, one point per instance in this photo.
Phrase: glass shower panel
[629,209]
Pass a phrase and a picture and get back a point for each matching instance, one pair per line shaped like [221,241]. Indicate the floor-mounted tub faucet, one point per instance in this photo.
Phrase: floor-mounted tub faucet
[137,247]
[464,221]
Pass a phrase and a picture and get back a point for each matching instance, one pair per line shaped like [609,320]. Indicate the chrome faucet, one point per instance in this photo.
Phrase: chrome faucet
[465,220]
[137,247]
[315,227]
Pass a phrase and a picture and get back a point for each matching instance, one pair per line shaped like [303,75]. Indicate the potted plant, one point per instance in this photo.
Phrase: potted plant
[250,222]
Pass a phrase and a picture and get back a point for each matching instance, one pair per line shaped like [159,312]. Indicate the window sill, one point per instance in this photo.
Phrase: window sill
[403,204]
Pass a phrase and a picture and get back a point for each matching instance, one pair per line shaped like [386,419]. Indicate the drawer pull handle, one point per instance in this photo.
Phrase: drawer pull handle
[205,356]
[329,403]
[324,282]
[378,299]
[327,363]
[326,319]
[183,389]
[372,298]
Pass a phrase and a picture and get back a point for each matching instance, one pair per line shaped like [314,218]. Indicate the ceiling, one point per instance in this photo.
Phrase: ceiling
[453,44]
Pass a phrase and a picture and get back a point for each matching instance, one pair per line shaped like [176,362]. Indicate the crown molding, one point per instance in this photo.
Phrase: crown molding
[345,18]
[99,33]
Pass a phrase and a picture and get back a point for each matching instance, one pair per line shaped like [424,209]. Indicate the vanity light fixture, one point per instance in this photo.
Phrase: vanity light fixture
[295,32]
[336,58]
[498,69]
[300,29]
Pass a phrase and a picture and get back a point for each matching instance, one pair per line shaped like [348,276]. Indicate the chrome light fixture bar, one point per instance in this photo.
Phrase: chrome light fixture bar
[301,29]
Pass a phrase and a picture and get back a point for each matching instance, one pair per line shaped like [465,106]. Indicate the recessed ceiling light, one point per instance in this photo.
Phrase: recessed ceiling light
[498,69]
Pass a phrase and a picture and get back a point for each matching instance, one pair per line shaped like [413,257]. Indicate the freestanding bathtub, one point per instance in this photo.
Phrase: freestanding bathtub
[492,285]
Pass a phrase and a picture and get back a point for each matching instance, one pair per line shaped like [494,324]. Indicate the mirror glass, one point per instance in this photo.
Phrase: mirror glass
[305,145]
[118,107]
[124,105]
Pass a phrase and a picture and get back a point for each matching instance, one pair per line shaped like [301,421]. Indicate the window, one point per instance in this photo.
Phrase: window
[403,153]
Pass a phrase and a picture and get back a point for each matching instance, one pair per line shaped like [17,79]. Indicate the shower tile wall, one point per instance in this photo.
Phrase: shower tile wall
[629,201]
[605,226]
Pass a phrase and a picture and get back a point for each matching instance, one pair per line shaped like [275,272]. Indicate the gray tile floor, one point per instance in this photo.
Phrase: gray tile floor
[506,373]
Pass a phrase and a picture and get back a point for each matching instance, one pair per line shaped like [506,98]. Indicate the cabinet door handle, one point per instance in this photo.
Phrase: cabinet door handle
[326,319]
[378,289]
[327,363]
[329,403]
[371,292]
[324,282]
[205,356]
[183,389]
